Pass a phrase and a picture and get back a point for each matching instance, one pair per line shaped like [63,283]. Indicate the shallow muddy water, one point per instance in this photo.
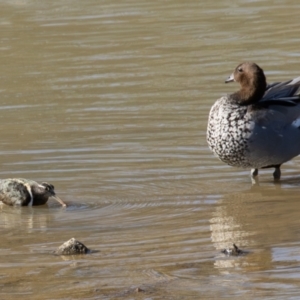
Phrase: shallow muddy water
[108,101]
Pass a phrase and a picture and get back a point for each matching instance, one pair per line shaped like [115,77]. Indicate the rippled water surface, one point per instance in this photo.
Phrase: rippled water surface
[108,101]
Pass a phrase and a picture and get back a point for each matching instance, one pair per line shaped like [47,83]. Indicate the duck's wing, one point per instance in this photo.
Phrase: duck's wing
[282,93]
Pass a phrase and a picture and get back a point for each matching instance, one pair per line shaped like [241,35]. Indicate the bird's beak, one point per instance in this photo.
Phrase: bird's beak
[59,201]
[230,78]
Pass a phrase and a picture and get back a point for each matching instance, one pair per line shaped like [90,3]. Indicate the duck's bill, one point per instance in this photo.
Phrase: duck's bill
[230,78]
[59,201]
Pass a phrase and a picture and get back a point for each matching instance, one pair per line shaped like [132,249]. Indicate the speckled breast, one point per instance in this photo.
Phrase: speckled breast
[228,131]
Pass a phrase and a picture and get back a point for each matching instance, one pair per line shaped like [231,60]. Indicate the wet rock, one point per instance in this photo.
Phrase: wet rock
[235,251]
[72,247]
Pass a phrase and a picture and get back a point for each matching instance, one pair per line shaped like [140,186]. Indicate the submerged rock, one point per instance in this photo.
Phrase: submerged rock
[72,247]
[235,251]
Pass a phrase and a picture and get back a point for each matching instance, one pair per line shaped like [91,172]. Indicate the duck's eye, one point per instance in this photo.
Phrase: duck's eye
[240,69]
[49,187]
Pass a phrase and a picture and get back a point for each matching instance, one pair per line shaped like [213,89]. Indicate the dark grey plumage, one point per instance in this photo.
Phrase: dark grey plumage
[257,126]
[23,192]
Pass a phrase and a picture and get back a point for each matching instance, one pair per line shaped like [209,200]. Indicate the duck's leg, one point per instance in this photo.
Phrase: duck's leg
[253,175]
[277,172]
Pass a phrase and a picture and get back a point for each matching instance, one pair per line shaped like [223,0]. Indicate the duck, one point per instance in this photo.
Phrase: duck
[257,126]
[234,251]
[25,192]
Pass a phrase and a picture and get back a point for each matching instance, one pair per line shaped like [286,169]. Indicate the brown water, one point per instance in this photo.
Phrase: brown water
[108,101]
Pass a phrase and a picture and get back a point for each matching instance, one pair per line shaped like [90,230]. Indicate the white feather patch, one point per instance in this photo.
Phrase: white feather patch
[296,123]
[30,193]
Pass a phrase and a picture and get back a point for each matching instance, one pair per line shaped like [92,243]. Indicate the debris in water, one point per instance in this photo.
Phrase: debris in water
[235,251]
[72,247]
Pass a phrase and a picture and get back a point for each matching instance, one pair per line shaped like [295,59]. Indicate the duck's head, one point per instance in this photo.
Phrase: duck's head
[42,192]
[252,81]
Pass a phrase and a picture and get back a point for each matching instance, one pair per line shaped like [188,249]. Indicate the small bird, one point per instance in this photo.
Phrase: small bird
[259,125]
[23,192]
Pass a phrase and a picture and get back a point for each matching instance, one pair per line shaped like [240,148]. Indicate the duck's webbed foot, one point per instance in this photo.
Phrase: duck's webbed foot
[277,173]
